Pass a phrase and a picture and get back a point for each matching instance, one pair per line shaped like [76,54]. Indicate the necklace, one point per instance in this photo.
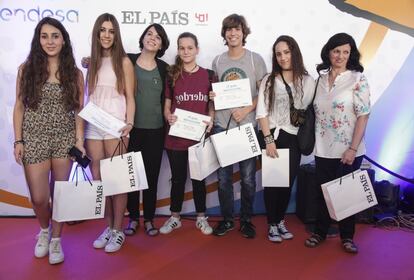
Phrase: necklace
[191,71]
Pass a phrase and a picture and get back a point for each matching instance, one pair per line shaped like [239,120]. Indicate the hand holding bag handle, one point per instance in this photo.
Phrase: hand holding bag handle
[75,174]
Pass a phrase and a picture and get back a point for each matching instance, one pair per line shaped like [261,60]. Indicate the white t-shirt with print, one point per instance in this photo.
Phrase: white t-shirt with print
[336,113]
[280,117]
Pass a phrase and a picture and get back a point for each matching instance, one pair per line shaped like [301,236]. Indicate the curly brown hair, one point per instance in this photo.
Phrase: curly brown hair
[34,71]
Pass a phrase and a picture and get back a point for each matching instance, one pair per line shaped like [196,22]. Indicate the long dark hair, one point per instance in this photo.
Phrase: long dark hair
[117,54]
[35,72]
[165,42]
[298,69]
[175,70]
[339,40]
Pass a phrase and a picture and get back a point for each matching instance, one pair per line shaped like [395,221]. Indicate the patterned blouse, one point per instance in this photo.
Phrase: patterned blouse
[337,111]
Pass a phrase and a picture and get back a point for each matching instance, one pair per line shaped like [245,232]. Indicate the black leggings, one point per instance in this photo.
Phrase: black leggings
[150,142]
[277,199]
[178,163]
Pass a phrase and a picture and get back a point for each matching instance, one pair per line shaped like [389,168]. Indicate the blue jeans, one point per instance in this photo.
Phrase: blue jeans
[248,187]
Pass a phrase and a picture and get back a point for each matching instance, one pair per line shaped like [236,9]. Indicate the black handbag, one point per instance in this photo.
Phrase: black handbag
[305,120]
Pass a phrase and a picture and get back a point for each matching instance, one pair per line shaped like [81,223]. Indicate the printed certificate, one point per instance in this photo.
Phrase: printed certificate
[101,119]
[232,94]
[189,125]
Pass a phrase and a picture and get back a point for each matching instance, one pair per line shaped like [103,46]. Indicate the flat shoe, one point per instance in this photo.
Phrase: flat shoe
[314,241]
[131,229]
[150,230]
[349,246]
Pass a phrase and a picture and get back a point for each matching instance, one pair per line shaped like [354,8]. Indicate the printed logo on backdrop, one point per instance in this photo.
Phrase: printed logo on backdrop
[36,14]
[164,18]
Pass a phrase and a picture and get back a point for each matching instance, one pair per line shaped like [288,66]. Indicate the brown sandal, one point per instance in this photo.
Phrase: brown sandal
[314,241]
[349,246]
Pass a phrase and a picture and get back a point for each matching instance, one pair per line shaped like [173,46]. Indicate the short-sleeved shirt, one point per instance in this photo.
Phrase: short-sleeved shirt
[336,113]
[280,117]
[252,66]
[148,113]
[190,93]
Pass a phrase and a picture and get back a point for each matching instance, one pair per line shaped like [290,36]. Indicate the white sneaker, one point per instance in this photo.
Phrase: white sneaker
[273,234]
[171,224]
[115,242]
[103,239]
[284,232]
[42,245]
[55,251]
[203,225]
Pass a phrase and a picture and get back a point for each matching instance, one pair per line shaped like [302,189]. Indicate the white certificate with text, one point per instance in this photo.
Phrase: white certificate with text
[101,119]
[275,171]
[189,125]
[232,94]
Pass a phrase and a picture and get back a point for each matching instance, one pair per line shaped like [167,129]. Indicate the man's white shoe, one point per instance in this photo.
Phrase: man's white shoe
[203,225]
[42,245]
[171,224]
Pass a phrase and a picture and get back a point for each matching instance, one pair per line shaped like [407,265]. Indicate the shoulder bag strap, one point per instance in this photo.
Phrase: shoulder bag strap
[289,91]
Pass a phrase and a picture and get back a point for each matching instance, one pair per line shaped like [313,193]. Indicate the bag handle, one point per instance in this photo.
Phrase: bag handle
[289,91]
[119,148]
[341,171]
[75,174]
[228,125]
[314,92]
[203,135]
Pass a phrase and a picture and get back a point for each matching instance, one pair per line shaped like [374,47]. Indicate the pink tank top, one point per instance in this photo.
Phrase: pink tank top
[105,95]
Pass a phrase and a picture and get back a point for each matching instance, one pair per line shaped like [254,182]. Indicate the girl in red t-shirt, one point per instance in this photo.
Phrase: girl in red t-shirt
[189,86]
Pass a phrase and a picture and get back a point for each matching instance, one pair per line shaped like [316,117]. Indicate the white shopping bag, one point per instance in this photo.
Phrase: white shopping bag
[202,160]
[236,144]
[124,173]
[349,195]
[78,200]
[275,171]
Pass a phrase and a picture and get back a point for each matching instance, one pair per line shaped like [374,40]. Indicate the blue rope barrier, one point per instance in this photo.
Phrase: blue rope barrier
[389,171]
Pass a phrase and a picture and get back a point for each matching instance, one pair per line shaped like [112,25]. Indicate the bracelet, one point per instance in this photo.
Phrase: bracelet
[269,139]
[79,139]
[352,149]
[17,142]
[131,124]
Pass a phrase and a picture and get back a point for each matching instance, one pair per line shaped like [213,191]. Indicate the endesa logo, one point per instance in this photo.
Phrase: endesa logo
[36,14]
